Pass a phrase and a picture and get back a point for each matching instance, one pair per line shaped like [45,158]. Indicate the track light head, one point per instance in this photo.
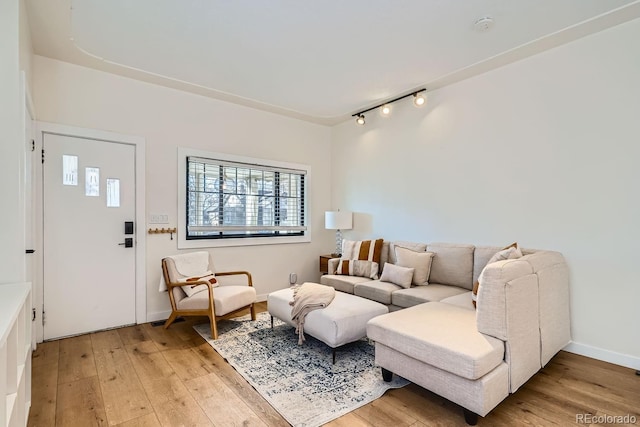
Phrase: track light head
[360,119]
[419,100]
[385,110]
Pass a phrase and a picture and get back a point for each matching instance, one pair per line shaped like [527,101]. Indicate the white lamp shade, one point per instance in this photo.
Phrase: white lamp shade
[338,220]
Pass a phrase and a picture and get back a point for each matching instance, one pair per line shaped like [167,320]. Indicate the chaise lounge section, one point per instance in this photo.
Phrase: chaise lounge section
[436,338]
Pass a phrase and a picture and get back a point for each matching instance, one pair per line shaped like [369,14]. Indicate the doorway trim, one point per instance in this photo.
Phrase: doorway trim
[43,128]
[28,117]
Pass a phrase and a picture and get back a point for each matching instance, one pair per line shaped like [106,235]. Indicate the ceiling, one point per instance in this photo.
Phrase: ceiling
[319,61]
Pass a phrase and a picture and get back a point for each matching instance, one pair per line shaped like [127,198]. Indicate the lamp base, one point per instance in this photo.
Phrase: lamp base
[338,242]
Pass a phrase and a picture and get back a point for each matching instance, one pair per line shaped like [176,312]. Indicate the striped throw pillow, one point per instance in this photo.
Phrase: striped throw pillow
[356,267]
[367,250]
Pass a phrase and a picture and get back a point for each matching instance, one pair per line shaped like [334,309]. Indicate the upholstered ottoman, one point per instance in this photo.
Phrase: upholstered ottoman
[341,322]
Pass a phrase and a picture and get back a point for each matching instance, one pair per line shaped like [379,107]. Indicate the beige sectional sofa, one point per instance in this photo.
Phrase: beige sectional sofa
[436,338]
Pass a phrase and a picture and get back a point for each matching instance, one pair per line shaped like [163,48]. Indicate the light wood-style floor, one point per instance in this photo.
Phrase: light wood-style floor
[147,376]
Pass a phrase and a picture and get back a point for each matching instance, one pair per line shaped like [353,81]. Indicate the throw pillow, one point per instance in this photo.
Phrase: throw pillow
[508,252]
[355,267]
[419,261]
[194,289]
[367,250]
[416,247]
[397,275]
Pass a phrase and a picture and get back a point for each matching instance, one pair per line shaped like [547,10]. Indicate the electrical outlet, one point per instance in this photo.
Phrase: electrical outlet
[293,278]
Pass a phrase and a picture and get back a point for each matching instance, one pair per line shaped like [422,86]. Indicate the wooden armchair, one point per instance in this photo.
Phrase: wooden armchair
[216,302]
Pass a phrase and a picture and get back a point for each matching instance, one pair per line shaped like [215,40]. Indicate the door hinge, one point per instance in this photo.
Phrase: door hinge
[43,316]
[33,145]
[43,155]
[33,314]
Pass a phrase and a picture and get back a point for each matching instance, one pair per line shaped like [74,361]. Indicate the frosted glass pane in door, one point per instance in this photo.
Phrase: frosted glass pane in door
[113,193]
[69,170]
[92,182]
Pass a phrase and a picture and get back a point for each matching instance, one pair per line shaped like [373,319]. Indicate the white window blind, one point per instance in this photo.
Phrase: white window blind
[233,200]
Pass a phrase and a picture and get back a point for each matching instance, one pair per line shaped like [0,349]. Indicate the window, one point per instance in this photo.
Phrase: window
[236,200]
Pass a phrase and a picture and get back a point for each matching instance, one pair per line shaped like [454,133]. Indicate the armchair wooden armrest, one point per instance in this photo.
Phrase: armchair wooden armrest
[233,273]
[194,283]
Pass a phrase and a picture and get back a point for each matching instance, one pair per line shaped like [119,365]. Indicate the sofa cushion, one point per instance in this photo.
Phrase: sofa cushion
[419,261]
[451,342]
[376,290]
[384,255]
[452,264]
[508,252]
[416,247]
[397,275]
[368,250]
[461,300]
[482,255]
[342,283]
[356,267]
[420,294]
[226,299]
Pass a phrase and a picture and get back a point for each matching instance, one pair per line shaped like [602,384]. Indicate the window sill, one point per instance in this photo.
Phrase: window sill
[247,241]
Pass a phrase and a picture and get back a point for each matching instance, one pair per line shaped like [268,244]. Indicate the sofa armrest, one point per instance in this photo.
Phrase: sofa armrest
[553,288]
[508,309]
[493,303]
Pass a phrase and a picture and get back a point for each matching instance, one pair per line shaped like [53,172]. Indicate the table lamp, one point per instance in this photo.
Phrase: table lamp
[338,220]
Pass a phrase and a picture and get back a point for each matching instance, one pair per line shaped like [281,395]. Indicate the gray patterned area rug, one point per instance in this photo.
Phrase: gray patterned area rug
[300,382]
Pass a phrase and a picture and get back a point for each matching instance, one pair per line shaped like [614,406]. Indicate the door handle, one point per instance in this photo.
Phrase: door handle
[128,242]
[29,251]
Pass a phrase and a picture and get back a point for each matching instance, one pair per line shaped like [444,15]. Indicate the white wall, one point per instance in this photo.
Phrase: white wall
[12,254]
[167,118]
[26,48]
[544,151]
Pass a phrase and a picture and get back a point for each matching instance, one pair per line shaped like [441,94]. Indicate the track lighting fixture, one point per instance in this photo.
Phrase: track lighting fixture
[385,108]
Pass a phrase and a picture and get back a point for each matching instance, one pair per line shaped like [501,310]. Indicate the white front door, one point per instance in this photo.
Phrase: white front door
[89,271]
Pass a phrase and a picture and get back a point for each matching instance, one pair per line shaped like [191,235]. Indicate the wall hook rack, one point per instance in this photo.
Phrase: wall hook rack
[170,231]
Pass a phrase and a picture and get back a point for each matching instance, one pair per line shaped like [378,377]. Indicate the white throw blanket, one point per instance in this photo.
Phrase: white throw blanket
[193,264]
[306,298]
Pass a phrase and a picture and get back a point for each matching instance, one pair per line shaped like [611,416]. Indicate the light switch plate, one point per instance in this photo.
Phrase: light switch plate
[158,219]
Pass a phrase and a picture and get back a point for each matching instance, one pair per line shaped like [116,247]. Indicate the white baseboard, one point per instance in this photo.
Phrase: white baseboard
[158,315]
[629,361]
